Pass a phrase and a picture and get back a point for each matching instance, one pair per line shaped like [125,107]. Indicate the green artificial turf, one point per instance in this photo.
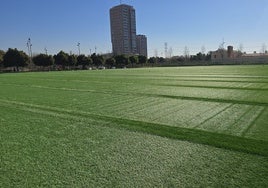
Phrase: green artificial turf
[157,127]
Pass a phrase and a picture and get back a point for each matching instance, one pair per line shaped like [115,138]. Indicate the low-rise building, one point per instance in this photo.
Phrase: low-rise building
[232,56]
[223,55]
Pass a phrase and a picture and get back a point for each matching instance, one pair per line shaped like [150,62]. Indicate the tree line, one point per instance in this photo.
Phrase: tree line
[64,61]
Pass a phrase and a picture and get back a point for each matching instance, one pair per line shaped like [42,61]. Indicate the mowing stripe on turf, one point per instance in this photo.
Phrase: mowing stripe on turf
[235,143]
[253,123]
[219,100]
[214,87]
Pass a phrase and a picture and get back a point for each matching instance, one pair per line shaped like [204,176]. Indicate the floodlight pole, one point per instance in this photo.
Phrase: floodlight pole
[29,46]
[78,45]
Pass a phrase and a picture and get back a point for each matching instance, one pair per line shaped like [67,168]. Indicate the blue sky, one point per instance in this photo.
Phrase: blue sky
[61,24]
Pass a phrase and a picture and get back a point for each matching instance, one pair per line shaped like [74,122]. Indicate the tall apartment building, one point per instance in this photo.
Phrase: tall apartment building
[123,29]
[141,41]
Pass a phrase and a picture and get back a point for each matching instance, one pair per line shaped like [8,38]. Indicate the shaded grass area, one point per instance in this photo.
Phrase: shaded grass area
[258,127]
[216,87]
[43,149]
[214,100]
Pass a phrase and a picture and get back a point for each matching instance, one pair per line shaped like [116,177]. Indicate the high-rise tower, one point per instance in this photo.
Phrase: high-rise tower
[123,29]
[141,41]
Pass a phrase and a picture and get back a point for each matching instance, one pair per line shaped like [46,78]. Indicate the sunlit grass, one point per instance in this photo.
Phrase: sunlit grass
[170,127]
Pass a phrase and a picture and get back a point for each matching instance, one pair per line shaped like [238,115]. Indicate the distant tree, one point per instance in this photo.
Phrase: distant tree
[152,60]
[180,59]
[121,60]
[43,60]
[240,49]
[94,58]
[199,56]
[208,56]
[97,60]
[160,60]
[2,53]
[61,59]
[72,60]
[133,60]
[84,61]
[142,59]
[15,58]
[110,62]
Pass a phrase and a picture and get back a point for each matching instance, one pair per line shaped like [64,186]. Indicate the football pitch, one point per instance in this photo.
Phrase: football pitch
[204,126]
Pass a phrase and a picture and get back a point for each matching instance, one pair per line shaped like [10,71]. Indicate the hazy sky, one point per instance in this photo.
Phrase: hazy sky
[61,24]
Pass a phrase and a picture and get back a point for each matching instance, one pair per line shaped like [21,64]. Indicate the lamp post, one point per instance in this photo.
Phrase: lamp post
[78,45]
[29,46]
